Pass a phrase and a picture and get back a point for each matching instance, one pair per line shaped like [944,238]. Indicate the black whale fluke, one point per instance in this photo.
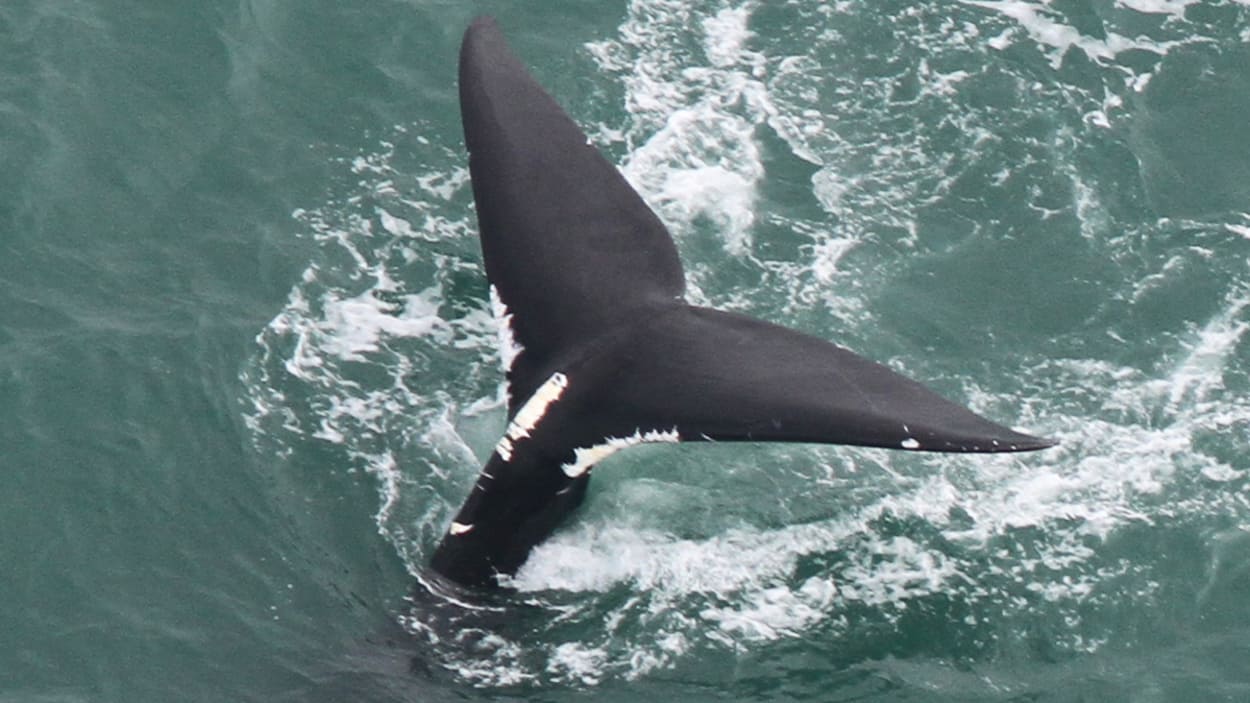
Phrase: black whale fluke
[605,353]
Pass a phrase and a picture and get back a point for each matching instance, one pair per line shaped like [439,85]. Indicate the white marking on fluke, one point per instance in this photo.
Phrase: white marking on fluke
[504,448]
[509,349]
[586,457]
[530,414]
[459,528]
[528,417]
[911,443]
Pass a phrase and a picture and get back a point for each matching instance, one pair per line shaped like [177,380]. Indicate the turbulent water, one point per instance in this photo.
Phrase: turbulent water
[248,366]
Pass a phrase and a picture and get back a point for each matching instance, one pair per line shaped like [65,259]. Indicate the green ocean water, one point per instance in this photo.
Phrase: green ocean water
[248,368]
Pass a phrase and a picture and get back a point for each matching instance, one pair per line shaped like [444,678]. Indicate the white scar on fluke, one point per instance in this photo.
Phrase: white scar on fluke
[528,417]
[509,348]
[586,457]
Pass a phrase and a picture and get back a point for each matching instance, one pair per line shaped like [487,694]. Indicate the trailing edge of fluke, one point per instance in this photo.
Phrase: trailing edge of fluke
[604,353]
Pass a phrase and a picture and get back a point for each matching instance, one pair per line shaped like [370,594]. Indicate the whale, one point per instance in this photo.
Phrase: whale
[603,352]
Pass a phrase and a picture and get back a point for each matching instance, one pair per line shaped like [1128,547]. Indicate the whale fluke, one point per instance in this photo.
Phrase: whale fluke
[604,353]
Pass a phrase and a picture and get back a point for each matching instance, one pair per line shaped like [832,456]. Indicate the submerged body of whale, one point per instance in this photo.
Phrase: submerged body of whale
[602,350]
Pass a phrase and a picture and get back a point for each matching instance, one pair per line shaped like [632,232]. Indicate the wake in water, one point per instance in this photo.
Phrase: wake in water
[903,178]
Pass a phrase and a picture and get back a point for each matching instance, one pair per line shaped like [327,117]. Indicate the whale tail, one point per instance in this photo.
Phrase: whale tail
[604,352]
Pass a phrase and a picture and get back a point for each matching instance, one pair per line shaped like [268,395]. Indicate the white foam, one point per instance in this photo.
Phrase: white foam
[1160,7]
[776,612]
[496,661]
[578,663]
[827,254]
[596,557]
[726,34]
[354,327]
[1243,230]
[397,226]
[939,83]
[1043,28]
[696,122]
[686,172]
[1200,373]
